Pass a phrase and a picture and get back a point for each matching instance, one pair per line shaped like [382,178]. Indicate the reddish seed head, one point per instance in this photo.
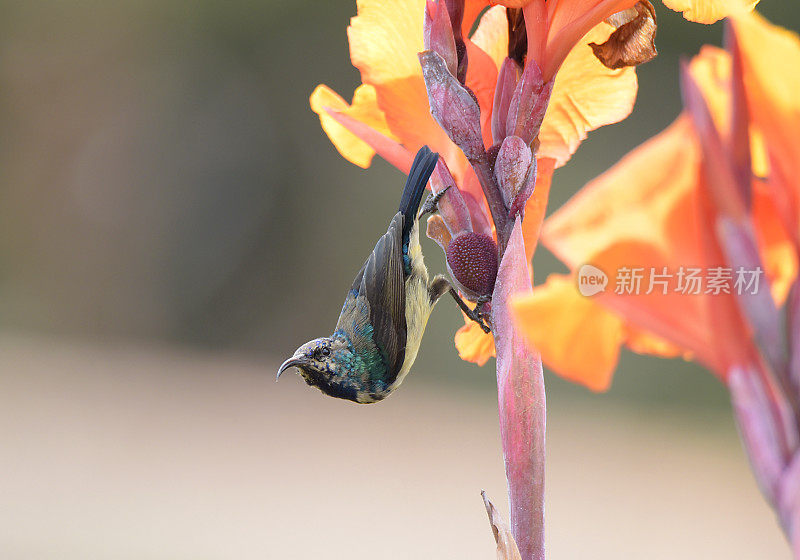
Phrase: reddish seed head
[473,260]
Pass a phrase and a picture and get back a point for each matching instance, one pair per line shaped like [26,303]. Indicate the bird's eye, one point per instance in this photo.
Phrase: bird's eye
[326,351]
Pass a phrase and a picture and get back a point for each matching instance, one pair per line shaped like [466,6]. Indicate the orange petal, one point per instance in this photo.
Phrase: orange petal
[385,38]
[472,9]
[473,344]
[712,70]
[586,96]
[569,20]
[771,64]
[481,79]
[578,339]
[536,207]
[643,342]
[364,109]
[612,225]
[776,247]
[486,50]
[608,210]
[709,11]
[512,3]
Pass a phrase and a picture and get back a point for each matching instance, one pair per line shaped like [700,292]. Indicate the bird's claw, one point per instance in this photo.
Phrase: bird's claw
[480,313]
[431,203]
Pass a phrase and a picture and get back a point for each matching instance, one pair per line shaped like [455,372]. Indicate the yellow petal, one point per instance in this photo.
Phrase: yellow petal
[709,11]
[586,96]
[364,109]
[577,338]
[492,34]
[385,38]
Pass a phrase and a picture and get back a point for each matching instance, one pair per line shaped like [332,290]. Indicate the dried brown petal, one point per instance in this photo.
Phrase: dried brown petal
[633,42]
[506,546]
[437,230]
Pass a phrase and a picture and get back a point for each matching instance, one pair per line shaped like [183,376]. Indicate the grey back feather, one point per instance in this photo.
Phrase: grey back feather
[381,281]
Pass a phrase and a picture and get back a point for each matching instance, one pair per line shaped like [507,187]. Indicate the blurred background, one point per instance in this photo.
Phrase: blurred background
[167,205]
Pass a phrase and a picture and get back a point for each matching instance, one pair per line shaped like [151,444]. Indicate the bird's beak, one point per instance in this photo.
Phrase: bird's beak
[291,362]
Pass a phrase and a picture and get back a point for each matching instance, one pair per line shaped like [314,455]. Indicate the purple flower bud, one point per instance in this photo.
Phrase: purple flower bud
[738,243]
[515,172]
[529,103]
[438,34]
[456,10]
[452,105]
[451,207]
[506,83]
[760,432]
[472,260]
[793,328]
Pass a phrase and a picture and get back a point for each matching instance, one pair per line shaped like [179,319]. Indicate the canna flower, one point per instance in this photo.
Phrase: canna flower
[646,213]
[717,190]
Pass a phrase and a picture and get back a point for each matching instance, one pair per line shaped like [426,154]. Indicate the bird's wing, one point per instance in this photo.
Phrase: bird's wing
[381,282]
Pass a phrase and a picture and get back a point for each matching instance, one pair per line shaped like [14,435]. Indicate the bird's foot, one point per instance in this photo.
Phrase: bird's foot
[431,203]
[478,314]
[483,307]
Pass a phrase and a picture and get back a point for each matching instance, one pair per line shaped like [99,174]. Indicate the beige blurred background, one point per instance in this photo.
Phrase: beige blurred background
[173,222]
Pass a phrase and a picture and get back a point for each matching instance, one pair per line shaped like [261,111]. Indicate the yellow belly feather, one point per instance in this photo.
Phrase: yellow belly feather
[418,303]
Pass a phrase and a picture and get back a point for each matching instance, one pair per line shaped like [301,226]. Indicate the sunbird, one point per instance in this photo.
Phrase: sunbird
[384,315]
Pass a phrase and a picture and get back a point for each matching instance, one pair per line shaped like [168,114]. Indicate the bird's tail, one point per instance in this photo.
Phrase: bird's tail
[421,169]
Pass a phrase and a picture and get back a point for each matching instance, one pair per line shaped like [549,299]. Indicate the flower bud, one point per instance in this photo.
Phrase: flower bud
[529,103]
[515,172]
[506,82]
[451,207]
[452,105]
[456,10]
[438,34]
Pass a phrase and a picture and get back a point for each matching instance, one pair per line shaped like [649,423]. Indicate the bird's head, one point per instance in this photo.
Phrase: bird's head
[322,362]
